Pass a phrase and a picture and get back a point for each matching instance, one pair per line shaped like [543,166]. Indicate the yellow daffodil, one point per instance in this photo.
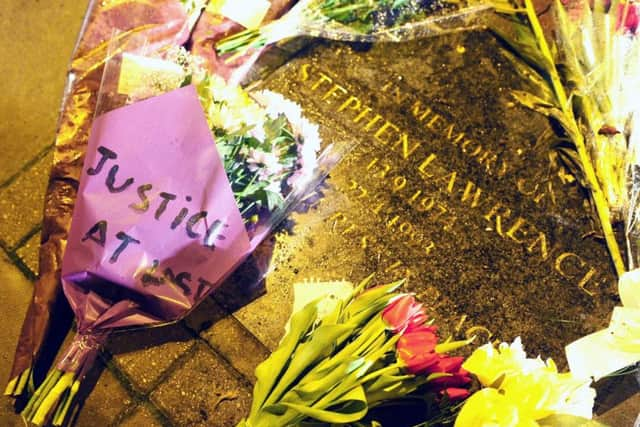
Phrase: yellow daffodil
[521,390]
[489,408]
[489,363]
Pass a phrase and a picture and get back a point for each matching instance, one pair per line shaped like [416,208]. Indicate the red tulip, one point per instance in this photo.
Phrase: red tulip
[416,348]
[632,18]
[449,364]
[404,312]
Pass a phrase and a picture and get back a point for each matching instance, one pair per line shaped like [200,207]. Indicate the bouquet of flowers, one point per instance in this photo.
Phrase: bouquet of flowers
[224,18]
[164,214]
[585,83]
[357,20]
[522,391]
[345,355]
[143,26]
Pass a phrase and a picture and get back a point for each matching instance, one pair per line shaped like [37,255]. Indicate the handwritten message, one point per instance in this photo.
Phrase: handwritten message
[155,212]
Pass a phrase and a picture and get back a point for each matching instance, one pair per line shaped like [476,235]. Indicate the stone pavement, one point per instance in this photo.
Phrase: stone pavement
[198,372]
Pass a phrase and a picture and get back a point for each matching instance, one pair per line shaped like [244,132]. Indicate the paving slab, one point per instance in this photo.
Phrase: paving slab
[205,391]
[107,403]
[22,201]
[15,293]
[141,416]
[33,69]
[145,355]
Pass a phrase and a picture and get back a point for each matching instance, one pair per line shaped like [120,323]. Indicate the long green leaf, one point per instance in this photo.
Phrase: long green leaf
[348,408]
[269,372]
[307,354]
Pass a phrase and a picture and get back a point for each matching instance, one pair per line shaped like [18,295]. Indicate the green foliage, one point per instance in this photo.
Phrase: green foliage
[331,370]
[251,193]
[552,76]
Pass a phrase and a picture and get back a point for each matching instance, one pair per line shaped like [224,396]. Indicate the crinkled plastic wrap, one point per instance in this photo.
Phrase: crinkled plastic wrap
[150,26]
[361,21]
[48,317]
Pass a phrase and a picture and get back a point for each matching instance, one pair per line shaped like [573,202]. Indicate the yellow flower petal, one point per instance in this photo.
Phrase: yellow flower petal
[489,408]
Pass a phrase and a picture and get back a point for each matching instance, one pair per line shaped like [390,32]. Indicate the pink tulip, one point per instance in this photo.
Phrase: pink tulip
[632,18]
[404,312]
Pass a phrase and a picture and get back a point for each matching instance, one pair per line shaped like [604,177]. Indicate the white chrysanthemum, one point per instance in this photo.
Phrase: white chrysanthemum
[232,109]
[306,133]
[267,164]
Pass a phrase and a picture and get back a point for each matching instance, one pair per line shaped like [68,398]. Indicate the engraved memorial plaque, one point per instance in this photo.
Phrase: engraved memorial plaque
[446,185]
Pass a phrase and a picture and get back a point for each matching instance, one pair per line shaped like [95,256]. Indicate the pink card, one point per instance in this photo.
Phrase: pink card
[155,221]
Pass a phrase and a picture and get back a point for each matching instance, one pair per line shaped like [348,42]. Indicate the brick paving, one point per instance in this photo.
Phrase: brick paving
[198,372]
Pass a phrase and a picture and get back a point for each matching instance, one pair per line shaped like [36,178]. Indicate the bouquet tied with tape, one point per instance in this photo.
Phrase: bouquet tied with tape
[178,187]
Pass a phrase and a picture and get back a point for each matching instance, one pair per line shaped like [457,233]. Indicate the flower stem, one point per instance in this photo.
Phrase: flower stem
[63,409]
[52,399]
[17,385]
[40,393]
[599,200]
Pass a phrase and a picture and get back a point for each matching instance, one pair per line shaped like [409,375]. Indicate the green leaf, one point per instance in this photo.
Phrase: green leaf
[449,346]
[274,200]
[350,407]
[369,300]
[269,372]
[547,109]
[321,343]
[523,44]
[316,385]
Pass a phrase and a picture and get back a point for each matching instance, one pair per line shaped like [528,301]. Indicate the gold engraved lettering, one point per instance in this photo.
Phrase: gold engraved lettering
[417,113]
[431,124]
[571,267]
[362,114]
[458,137]
[541,241]
[466,195]
[585,279]
[399,182]
[431,246]
[404,140]
[498,211]
[466,148]
[448,179]
[398,95]
[425,164]
[332,92]
[337,217]
[534,192]
[489,159]
[516,232]
[382,129]
[323,78]
[372,122]
[349,229]
[426,204]
[304,72]
[415,196]
[352,102]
